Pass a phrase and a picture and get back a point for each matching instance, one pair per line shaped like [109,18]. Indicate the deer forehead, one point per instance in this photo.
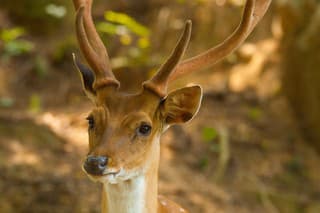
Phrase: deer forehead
[126,109]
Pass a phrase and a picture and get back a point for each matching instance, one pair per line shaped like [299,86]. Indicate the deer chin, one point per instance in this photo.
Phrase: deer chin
[113,176]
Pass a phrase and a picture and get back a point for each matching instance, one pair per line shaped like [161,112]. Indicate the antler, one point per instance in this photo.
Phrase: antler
[92,47]
[158,83]
[254,10]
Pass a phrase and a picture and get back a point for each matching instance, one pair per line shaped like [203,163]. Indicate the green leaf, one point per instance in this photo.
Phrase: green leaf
[255,113]
[209,134]
[18,47]
[125,39]
[34,103]
[108,28]
[129,22]
[8,35]
[144,42]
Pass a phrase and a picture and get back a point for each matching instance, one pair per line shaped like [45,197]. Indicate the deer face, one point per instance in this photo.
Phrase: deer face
[124,130]
[121,129]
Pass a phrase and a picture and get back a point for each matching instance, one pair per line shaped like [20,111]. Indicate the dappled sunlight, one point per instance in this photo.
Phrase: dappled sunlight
[64,126]
[20,155]
[245,76]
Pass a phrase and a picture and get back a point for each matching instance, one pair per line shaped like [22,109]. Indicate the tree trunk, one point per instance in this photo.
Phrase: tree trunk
[301,62]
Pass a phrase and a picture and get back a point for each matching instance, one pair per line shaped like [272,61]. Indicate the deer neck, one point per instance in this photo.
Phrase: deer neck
[138,194]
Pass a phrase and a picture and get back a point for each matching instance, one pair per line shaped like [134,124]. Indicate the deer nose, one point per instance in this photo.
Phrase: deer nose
[95,165]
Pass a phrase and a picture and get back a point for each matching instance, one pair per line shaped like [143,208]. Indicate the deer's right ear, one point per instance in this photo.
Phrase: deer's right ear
[87,78]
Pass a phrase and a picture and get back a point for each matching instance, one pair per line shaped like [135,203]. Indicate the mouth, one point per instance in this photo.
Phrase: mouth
[107,176]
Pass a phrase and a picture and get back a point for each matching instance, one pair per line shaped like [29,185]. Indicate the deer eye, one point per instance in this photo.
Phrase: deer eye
[90,122]
[144,129]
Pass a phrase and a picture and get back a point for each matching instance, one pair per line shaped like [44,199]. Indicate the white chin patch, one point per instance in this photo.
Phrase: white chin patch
[116,178]
[111,179]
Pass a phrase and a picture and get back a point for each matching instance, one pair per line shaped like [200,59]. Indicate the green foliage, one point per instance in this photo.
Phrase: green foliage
[181,1]
[38,16]
[63,49]
[41,66]
[295,165]
[130,33]
[6,102]
[34,103]
[255,113]
[128,22]
[209,134]
[8,35]
[13,44]
[203,163]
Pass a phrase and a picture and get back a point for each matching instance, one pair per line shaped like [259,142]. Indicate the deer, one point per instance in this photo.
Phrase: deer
[124,129]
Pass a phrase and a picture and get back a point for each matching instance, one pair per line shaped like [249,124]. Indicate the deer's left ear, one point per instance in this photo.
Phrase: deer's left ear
[87,78]
[181,105]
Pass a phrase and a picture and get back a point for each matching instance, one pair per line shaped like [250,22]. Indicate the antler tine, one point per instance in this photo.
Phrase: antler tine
[92,46]
[254,10]
[78,3]
[158,83]
[89,27]
[93,36]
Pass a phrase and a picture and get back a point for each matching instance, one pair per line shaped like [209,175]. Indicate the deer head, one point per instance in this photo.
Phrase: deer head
[124,128]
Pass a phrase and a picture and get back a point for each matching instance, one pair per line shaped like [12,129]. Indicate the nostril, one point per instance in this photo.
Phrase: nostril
[103,161]
[95,164]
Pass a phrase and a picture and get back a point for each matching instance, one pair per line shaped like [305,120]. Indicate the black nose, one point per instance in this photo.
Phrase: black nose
[95,165]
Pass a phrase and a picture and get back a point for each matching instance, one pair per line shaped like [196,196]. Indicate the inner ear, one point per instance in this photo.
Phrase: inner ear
[181,105]
[87,78]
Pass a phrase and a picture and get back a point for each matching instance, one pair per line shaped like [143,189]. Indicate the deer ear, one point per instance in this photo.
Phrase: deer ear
[181,105]
[87,78]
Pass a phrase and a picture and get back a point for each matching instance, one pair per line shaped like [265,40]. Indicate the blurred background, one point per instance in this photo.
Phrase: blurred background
[253,147]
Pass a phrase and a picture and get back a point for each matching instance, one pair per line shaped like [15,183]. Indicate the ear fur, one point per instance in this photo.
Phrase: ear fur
[181,105]
[87,78]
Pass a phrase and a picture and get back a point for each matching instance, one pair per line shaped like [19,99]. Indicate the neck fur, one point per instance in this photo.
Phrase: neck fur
[138,194]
